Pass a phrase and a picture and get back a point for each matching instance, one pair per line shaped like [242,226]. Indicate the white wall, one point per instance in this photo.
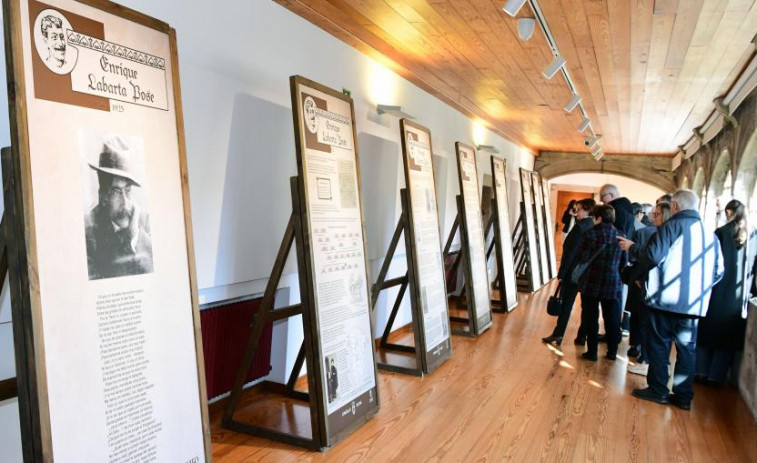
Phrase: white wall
[634,190]
[235,59]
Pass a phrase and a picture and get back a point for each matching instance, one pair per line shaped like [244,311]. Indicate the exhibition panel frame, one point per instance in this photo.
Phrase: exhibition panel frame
[472,240]
[540,226]
[502,235]
[426,266]
[102,263]
[549,229]
[528,229]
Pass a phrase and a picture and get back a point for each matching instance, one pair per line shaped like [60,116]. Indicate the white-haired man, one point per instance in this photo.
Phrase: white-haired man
[684,263]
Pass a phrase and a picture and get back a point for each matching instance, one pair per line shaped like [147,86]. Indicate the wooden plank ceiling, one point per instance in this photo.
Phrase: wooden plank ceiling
[647,70]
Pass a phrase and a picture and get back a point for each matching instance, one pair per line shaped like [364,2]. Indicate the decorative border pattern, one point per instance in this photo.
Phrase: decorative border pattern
[82,40]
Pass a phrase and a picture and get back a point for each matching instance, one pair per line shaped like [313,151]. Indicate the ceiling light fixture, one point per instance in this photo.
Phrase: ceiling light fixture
[393,110]
[599,155]
[573,102]
[556,65]
[597,149]
[584,124]
[526,28]
[487,148]
[513,6]
[591,142]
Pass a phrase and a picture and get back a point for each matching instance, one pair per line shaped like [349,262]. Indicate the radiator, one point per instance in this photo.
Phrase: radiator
[225,330]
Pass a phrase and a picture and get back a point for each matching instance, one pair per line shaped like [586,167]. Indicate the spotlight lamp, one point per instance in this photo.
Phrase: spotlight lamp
[556,65]
[487,148]
[393,110]
[597,149]
[599,155]
[526,28]
[575,99]
[584,124]
[513,6]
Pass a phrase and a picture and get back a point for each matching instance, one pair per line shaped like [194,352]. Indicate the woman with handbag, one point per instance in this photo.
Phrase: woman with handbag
[597,274]
[567,290]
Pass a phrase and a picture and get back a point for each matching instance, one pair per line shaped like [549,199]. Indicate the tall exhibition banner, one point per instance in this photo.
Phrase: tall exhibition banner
[505,262]
[529,229]
[104,236]
[473,231]
[540,229]
[430,289]
[338,304]
[549,229]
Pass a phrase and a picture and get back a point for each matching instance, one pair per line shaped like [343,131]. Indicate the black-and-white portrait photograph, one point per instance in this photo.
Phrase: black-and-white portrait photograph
[116,214]
[50,29]
[332,377]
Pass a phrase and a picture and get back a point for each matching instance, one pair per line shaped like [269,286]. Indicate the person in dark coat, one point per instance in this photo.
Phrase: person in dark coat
[568,290]
[635,303]
[681,263]
[625,224]
[601,283]
[568,216]
[722,331]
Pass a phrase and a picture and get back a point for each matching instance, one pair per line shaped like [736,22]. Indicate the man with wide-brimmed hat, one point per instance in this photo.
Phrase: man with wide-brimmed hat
[117,230]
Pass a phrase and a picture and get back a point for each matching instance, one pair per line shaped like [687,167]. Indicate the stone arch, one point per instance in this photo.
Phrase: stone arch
[744,184]
[698,185]
[653,170]
[720,183]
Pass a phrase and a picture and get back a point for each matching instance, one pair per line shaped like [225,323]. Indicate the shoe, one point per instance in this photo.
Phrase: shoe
[649,395]
[579,341]
[611,355]
[633,352]
[639,369]
[677,402]
[602,338]
[589,356]
[552,339]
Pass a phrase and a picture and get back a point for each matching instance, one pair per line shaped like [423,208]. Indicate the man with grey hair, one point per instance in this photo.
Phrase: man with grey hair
[684,262]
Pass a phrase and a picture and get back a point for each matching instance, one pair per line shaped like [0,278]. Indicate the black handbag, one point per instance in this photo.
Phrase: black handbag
[580,268]
[554,305]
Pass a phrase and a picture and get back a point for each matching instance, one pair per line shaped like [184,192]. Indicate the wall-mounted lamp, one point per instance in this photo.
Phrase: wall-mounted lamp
[488,148]
[393,110]
[556,65]
[513,6]
[584,124]
[526,28]
[573,103]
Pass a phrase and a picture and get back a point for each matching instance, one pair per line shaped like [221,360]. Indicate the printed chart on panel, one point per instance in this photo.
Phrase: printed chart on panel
[431,289]
[114,310]
[473,229]
[505,263]
[527,209]
[329,172]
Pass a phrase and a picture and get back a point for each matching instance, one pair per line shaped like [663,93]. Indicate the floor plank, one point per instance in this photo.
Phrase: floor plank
[505,396]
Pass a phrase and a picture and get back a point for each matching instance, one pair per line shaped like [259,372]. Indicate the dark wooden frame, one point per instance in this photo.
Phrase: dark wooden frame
[441,351]
[310,313]
[473,328]
[269,313]
[538,206]
[418,347]
[499,231]
[30,361]
[528,232]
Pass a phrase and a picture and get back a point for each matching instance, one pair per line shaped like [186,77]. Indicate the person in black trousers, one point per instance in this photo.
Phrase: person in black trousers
[600,283]
[568,290]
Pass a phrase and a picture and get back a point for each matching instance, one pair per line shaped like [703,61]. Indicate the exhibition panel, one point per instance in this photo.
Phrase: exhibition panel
[102,267]
[549,229]
[538,198]
[503,237]
[472,233]
[528,231]
[430,291]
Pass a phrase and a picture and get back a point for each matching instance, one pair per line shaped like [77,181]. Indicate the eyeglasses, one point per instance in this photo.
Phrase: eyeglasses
[116,191]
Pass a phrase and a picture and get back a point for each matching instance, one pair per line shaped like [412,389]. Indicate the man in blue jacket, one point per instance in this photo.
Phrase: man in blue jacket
[684,263]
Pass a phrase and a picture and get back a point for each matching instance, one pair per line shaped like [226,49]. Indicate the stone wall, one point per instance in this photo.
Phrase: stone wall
[748,376]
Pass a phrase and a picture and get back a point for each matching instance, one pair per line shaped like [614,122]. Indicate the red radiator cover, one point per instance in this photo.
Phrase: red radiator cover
[225,330]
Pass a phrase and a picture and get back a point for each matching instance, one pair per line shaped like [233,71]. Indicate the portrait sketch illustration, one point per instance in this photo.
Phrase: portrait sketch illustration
[50,29]
[116,218]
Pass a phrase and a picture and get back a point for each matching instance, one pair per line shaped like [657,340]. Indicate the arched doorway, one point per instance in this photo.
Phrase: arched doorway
[697,186]
[718,192]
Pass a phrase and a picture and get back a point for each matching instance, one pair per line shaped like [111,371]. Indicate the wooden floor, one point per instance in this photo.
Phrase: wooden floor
[507,396]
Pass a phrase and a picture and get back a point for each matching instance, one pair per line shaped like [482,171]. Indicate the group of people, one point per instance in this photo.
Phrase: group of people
[675,281]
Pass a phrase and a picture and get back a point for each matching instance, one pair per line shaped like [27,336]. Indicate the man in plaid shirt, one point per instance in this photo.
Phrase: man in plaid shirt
[600,283]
